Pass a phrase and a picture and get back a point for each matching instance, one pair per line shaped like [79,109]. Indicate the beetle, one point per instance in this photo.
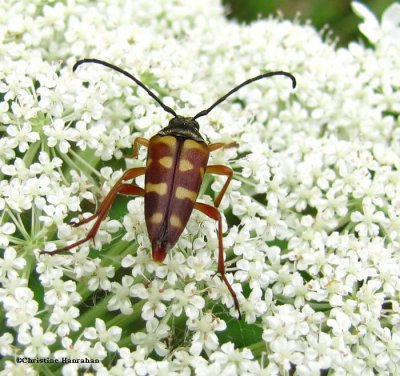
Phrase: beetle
[176,164]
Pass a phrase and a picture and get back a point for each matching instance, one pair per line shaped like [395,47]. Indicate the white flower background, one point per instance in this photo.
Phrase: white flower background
[311,219]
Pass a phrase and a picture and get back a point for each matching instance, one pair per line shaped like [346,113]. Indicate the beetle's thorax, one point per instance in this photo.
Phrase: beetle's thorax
[184,127]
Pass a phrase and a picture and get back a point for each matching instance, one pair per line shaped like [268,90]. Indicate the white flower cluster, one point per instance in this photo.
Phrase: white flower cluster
[312,228]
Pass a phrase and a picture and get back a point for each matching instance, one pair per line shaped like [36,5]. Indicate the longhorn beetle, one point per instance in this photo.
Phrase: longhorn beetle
[176,163]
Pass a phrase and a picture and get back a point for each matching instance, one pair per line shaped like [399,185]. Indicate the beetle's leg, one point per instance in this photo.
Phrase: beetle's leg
[213,213]
[221,170]
[219,145]
[128,175]
[119,187]
[138,141]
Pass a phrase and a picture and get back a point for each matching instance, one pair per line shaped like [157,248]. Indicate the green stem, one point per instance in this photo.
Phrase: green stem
[16,241]
[87,165]
[17,221]
[44,369]
[69,116]
[123,320]
[318,306]
[72,164]
[99,310]
[206,183]
[258,349]
[31,153]
[125,342]
[117,253]
[343,221]
[245,180]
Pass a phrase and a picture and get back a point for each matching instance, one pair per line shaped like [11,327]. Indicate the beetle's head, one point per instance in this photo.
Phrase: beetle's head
[186,122]
[185,127]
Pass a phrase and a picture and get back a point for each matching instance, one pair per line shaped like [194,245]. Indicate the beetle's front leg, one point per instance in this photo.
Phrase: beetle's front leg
[213,213]
[120,187]
[138,141]
[222,145]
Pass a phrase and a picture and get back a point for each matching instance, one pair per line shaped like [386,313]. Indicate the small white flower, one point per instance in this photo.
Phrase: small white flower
[152,339]
[370,27]
[173,268]
[285,323]
[232,361]
[101,277]
[47,166]
[65,320]
[10,264]
[21,137]
[254,272]
[60,135]
[12,368]
[188,301]
[218,290]
[204,336]
[370,298]
[18,169]
[5,344]
[84,135]
[36,342]
[254,306]
[139,263]
[109,337]
[59,292]
[20,307]
[73,350]
[369,221]
[285,352]
[153,294]
[121,296]
[201,264]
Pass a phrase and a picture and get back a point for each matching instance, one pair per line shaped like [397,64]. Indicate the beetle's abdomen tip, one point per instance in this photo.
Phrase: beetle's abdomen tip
[159,253]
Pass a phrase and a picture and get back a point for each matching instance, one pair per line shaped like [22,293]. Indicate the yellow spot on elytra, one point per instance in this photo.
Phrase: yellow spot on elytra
[166,162]
[190,144]
[160,188]
[185,165]
[167,140]
[182,193]
[175,221]
[156,218]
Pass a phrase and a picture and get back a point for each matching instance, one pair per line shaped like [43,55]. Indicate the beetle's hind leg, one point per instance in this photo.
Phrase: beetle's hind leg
[120,187]
[213,213]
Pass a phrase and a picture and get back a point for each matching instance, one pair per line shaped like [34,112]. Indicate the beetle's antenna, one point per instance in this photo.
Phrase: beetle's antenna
[125,73]
[249,81]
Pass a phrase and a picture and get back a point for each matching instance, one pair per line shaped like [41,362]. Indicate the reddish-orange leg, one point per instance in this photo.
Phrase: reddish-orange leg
[213,213]
[138,141]
[219,145]
[119,188]
[220,170]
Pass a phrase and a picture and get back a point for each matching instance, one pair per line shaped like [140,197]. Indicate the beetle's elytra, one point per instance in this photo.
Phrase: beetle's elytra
[176,163]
